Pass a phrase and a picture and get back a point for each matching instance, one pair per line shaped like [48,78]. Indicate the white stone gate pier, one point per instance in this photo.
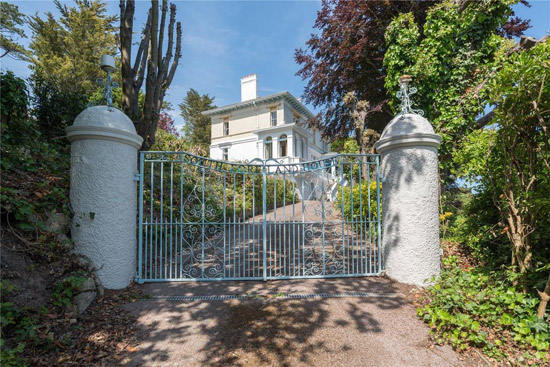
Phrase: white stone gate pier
[104,151]
[410,193]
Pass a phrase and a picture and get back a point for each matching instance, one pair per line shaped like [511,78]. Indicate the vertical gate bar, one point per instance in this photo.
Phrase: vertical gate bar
[244,225]
[151,210]
[247,229]
[361,262]
[275,239]
[202,223]
[140,220]
[378,235]
[166,231]
[343,198]
[145,261]
[174,245]
[352,218]
[293,225]
[238,245]
[180,240]
[156,247]
[370,219]
[161,217]
[322,172]
[303,226]
[254,244]
[171,212]
[284,224]
[234,256]
[224,225]
[264,224]
[270,258]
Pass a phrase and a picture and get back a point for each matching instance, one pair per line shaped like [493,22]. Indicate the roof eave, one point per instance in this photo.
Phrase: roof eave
[297,105]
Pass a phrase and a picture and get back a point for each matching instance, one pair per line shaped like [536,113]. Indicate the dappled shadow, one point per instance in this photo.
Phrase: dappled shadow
[259,330]
[410,201]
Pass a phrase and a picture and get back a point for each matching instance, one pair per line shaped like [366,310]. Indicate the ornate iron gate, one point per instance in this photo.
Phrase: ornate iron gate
[202,219]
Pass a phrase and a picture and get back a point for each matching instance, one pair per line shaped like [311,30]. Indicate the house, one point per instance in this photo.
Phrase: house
[264,127]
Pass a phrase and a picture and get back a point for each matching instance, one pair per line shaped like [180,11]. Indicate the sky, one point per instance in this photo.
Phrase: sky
[226,40]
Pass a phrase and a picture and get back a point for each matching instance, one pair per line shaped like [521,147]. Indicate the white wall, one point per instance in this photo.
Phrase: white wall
[239,150]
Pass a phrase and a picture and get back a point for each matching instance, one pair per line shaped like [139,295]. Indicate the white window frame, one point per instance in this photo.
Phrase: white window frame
[283,142]
[225,126]
[225,154]
[273,117]
[268,147]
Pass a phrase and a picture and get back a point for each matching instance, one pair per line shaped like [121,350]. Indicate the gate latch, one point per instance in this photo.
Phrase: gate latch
[136,177]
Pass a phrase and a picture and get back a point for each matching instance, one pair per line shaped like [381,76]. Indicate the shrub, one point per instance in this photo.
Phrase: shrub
[364,199]
[482,308]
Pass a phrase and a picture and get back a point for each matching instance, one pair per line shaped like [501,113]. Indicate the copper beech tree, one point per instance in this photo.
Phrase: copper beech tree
[151,64]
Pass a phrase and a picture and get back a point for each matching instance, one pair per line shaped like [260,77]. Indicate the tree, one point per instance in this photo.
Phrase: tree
[448,53]
[166,123]
[197,126]
[11,21]
[150,64]
[65,61]
[347,57]
[512,160]
[358,111]
[66,51]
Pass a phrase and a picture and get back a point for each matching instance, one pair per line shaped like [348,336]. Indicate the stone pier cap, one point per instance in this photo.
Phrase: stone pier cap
[407,130]
[104,123]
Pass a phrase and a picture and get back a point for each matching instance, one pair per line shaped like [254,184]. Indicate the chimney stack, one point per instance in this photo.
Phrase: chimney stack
[249,87]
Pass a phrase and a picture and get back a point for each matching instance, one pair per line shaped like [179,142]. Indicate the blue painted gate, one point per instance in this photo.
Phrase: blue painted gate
[203,219]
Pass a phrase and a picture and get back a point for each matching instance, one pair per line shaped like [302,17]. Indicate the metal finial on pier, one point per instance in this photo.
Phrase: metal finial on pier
[108,65]
[404,95]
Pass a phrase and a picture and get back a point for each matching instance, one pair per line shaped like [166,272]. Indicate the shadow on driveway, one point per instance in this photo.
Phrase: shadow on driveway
[367,331]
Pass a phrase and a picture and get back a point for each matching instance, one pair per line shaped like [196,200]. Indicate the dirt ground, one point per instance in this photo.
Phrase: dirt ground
[266,331]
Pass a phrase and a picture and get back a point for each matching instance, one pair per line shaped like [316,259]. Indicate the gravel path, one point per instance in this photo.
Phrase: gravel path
[260,331]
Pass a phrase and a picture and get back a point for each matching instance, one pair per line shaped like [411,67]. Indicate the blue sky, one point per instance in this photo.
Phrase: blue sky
[225,40]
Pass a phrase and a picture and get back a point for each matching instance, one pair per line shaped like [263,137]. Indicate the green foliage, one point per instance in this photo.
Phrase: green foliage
[197,126]
[14,99]
[241,196]
[14,322]
[65,61]
[66,289]
[482,308]
[24,151]
[166,142]
[55,108]
[362,198]
[510,162]
[66,51]
[455,53]
[345,145]
[96,98]
[11,21]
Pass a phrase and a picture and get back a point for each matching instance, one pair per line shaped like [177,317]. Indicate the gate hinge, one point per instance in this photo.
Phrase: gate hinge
[137,177]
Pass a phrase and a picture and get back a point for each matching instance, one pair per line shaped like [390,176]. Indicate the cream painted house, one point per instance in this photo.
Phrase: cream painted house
[264,127]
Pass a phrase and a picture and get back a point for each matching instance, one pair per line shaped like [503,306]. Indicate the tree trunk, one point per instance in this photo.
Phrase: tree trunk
[150,64]
[544,298]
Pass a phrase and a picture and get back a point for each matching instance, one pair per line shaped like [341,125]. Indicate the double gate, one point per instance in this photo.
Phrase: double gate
[203,219]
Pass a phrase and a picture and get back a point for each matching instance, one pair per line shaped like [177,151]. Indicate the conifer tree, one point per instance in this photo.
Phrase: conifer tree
[197,126]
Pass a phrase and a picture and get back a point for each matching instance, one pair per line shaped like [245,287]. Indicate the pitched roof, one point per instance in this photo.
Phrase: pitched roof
[293,101]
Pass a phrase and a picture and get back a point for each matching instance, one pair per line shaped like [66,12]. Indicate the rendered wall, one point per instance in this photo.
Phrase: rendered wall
[104,151]
[410,198]
[410,220]
[103,197]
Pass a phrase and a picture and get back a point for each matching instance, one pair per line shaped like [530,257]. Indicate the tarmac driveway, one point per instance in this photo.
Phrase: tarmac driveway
[379,328]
